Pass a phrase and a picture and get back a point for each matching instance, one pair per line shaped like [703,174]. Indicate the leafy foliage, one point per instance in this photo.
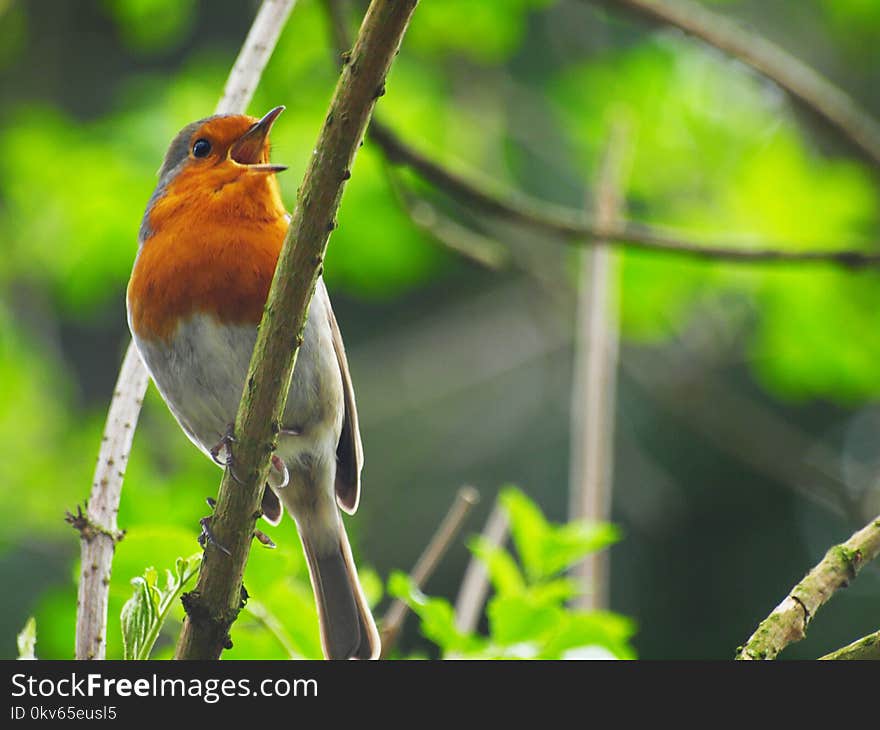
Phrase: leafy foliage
[144,613]
[528,616]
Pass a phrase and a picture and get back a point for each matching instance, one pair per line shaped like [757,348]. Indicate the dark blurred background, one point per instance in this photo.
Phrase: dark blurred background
[747,422]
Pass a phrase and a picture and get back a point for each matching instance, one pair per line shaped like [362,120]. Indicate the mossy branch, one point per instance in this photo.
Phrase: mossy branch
[868,647]
[97,526]
[789,620]
[217,599]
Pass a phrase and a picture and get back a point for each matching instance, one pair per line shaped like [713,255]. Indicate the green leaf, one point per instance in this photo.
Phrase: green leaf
[547,549]
[521,619]
[563,546]
[27,639]
[527,526]
[504,573]
[586,630]
[144,613]
[436,614]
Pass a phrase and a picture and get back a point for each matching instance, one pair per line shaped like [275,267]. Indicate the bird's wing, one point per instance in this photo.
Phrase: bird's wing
[349,452]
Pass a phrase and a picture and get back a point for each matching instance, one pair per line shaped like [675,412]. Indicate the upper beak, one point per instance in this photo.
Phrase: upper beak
[248,149]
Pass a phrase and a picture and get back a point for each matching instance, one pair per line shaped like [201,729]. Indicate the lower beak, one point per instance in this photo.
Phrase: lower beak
[248,149]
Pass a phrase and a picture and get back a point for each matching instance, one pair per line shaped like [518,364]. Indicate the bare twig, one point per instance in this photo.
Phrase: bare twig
[594,388]
[789,620]
[216,601]
[97,527]
[577,228]
[131,384]
[392,621]
[254,55]
[868,647]
[475,583]
[814,91]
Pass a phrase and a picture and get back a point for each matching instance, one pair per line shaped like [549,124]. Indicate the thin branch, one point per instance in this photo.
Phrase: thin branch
[131,384]
[594,388]
[98,529]
[868,647]
[814,91]
[577,228]
[392,621]
[475,583]
[254,55]
[217,599]
[789,620]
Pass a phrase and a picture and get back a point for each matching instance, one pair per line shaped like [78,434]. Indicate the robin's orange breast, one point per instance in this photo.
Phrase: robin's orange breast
[213,248]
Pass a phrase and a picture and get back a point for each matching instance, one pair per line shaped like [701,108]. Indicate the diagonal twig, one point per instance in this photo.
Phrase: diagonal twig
[576,227]
[392,621]
[475,583]
[789,620]
[868,647]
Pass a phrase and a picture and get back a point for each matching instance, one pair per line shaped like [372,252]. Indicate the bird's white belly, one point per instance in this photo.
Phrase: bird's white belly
[201,373]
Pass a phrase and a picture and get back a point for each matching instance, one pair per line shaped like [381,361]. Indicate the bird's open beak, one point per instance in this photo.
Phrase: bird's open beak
[248,149]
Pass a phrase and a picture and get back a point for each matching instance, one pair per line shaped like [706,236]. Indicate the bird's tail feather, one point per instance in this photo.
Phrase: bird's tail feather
[347,627]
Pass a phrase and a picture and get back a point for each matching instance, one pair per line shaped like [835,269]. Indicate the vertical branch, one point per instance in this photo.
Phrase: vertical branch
[98,530]
[475,584]
[595,378]
[97,526]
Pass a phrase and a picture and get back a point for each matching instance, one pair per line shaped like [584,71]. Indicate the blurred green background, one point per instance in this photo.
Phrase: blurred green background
[747,419]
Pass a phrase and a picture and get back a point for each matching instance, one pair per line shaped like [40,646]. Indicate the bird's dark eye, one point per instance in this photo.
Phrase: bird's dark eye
[201,148]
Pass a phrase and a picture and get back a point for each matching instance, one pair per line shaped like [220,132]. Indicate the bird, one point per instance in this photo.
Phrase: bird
[208,245]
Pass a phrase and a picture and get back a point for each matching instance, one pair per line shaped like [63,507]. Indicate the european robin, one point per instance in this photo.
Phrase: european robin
[208,246]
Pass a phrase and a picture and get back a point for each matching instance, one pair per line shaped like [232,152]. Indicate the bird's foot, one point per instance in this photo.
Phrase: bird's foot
[207,537]
[224,446]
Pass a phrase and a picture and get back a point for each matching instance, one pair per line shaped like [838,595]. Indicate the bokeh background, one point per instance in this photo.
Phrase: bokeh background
[747,422]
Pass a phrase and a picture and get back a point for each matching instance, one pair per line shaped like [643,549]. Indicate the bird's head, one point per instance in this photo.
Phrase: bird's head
[228,144]
[217,164]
